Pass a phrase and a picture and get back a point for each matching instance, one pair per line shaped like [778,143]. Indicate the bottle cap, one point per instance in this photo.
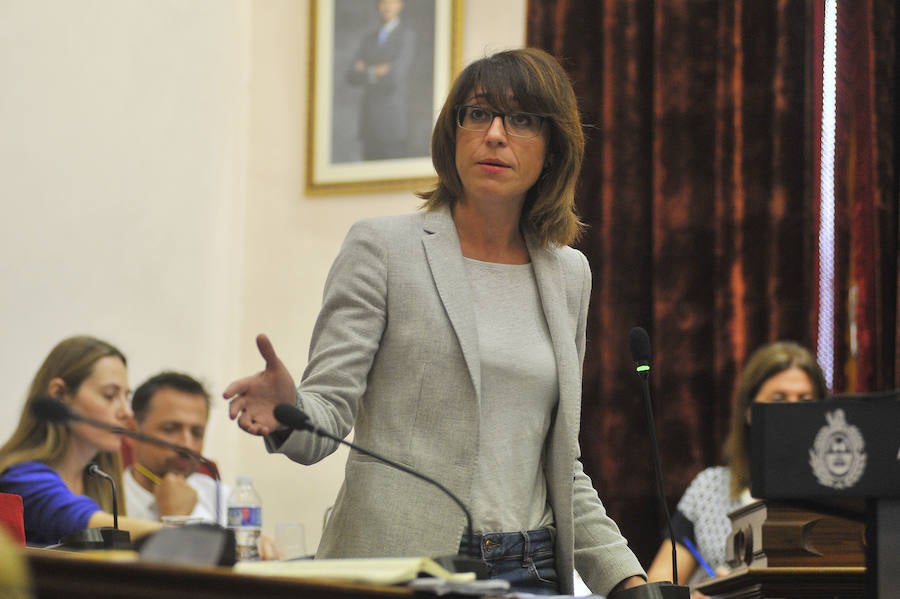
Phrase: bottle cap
[245,480]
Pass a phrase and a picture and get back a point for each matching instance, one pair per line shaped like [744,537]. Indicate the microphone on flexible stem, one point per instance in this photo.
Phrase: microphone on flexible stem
[94,470]
[640,354]
[297,419]
[52,410]
[202,543]
[101,537]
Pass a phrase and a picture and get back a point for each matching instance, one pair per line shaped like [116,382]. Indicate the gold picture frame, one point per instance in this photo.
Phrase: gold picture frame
[352,131]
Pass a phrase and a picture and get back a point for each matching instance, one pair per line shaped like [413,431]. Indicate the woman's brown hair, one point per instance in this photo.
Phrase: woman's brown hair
[764,363]
[37,440]
[527,80]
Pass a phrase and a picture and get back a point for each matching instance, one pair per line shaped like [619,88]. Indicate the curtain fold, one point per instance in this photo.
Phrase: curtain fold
[866,197]
[701,223]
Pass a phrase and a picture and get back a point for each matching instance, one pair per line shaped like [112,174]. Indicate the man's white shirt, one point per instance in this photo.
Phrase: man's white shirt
[141,503]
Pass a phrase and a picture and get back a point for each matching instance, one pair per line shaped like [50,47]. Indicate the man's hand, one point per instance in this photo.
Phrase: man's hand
[253,398]
[174,496]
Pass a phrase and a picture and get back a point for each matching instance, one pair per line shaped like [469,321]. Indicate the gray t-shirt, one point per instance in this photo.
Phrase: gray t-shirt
[519,391]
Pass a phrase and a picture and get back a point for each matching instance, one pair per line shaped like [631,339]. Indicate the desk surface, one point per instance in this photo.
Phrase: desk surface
[61,574]
[841,582]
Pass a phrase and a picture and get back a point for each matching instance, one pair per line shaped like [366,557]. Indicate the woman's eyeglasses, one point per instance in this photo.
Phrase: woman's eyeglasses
[517,124]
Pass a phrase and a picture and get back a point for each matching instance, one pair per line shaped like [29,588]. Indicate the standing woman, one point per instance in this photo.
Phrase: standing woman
[452,340]
[778,372]
[45,462]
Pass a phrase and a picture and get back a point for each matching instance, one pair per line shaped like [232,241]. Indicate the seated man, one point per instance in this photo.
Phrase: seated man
[173,407]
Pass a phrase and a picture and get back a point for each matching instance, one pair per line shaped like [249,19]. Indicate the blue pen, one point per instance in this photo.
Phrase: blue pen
[696,553]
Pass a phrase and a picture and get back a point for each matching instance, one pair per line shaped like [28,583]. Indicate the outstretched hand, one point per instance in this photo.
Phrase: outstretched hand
[253,398]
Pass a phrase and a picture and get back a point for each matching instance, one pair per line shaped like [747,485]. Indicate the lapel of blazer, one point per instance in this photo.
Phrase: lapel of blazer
[552,289]
[449,273]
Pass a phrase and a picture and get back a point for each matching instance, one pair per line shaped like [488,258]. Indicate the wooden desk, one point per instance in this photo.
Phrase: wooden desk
[58,574]
[838,582]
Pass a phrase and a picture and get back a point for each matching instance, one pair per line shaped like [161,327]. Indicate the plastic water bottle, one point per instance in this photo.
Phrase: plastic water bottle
[245,519]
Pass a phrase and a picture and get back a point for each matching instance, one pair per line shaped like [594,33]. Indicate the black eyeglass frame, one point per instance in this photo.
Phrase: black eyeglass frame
[460,108]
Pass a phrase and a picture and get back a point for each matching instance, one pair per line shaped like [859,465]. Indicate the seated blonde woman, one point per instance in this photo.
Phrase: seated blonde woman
[778,372]
[45,462]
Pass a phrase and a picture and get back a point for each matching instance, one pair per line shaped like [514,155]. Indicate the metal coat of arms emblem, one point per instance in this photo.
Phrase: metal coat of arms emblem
[838,457]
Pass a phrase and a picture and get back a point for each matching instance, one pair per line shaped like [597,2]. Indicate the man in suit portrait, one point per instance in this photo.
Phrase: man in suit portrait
[382,67]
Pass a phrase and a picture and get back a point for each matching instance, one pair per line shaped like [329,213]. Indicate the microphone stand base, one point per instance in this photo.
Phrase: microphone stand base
[105,537]
[203,543]
[462,563]
[654,590]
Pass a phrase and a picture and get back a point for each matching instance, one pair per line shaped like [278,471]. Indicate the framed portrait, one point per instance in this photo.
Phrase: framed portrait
[379,75]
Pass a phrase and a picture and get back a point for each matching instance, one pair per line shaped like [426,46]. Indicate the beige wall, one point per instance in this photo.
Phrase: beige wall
[122,181]
[152,190]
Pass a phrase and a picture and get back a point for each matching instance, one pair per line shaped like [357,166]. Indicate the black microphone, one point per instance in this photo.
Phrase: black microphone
[639,341]
[297,419]
[53,410]
[101,537]
[94,470]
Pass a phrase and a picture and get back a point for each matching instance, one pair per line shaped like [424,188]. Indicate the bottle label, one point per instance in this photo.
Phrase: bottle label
[248,516]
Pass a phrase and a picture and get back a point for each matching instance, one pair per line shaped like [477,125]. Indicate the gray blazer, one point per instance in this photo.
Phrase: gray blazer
[394,354]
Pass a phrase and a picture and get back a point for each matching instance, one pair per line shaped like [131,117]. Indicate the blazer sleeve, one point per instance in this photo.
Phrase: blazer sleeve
[602,555]
[583,295]
[345,339]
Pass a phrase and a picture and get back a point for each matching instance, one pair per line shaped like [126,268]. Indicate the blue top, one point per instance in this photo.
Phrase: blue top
[51,509]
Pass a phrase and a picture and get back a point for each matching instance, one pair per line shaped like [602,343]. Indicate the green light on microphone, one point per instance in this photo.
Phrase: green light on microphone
[643,368]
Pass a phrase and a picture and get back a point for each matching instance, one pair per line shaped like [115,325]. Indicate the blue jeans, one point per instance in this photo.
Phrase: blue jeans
[525,559]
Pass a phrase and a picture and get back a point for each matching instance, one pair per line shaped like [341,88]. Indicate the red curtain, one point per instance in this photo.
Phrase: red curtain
[699,188]
[866,197]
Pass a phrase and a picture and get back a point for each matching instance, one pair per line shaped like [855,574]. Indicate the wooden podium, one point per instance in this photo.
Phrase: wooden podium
[769,534]
[830,473]
[833,582]
[780,550]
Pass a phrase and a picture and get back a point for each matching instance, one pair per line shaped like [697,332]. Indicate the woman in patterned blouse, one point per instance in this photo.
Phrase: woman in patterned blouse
[779,372]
